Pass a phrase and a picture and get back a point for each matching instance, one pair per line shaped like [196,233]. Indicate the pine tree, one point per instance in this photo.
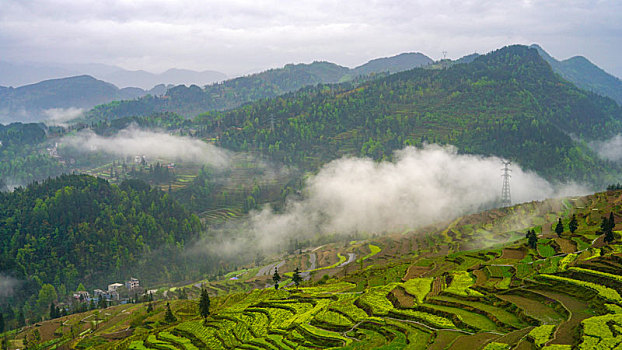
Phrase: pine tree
[169,317]
[204,304]
[1,322]
[573,225]
[532,239]
[296,277]
[276,278]
[609,236]
[559,228]
[53,311]
[612,222]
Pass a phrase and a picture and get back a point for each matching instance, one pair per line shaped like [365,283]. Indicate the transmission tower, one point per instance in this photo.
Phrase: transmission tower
[506,199]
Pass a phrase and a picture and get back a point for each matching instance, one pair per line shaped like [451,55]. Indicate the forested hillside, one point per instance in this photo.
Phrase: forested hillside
[586,75]
[190,101]
[508,103]
[79,229]
[29,103]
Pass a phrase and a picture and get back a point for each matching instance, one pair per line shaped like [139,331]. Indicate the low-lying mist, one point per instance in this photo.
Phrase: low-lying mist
[609,149]
[7,286]
[153,144]
[420,187]
[60,116]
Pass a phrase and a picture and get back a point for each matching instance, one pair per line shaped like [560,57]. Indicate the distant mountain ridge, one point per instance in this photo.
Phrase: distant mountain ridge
[190,101]
[586,75]
[30,102]
[16,75]
[394,64]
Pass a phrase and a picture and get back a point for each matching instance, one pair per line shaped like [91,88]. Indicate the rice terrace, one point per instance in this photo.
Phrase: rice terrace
[472,283]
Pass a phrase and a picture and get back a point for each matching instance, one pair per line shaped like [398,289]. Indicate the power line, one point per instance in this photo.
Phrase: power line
[506,198]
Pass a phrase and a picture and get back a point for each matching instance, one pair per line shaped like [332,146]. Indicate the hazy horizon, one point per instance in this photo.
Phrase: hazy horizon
[242,37]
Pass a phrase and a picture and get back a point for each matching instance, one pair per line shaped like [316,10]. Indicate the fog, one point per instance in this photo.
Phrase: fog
[60,116]
[7,285]
[153,144]
[610,149]
[420,187]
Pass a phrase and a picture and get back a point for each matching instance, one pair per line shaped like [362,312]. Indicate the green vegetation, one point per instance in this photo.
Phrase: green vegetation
[80,229]
[418,287]
[541,334]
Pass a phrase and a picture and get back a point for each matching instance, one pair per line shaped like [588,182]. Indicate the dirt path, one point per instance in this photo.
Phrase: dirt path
[351,257]
[269,269]
[306,275]
[564,333]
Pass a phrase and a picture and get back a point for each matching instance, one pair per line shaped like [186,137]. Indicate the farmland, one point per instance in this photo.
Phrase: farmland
[483,288]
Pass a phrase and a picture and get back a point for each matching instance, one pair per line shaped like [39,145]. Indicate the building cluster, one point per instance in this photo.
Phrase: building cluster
[113,292]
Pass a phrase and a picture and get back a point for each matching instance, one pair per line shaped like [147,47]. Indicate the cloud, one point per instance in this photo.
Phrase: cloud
[134,141]
[60,116]
[7,286]
[610,149]
[216,35]
[421,187]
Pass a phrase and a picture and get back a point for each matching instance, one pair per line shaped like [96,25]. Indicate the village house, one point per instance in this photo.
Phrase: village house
[132,284]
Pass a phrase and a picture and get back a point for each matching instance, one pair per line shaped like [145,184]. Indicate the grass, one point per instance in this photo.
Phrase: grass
[541,334]
[604,292]
[418,287]
[373,250]
[461,283]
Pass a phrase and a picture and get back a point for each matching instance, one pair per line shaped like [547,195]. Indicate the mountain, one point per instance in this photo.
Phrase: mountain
[586,75]
[508,103]
[190,101]
[30,102]
[18,74]
[173,76]
[401,62]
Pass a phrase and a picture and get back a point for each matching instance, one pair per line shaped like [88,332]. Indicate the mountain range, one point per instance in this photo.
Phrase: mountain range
[40,101]
[18,74]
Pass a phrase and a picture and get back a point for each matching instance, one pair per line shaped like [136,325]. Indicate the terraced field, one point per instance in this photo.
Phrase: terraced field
[469,284]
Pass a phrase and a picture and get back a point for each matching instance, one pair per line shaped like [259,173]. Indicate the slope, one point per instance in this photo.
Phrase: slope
[508,103]
[474,283]
[586,75]
[190,101]
[80,229]
[28,103]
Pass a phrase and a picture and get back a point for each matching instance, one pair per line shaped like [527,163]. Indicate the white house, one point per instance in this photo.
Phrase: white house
[133,283]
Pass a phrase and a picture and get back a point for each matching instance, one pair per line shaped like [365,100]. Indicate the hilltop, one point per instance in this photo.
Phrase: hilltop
[190,101]
[34,102]
[508,103]
[474,282]
[586,75]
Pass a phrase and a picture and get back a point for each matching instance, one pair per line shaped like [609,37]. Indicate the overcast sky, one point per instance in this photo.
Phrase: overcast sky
[241,36]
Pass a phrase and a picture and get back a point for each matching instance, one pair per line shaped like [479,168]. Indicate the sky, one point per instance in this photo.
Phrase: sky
[242,36]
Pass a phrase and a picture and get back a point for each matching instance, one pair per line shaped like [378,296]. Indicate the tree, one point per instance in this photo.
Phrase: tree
[169,317]
[204,303]
[276,278]
[612,222]
[149,307]
[102,302]
[53,313]
[296,277]
[609,236]
[559,228]
[532,239]
[1,322]
[47,295]
[573,225]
